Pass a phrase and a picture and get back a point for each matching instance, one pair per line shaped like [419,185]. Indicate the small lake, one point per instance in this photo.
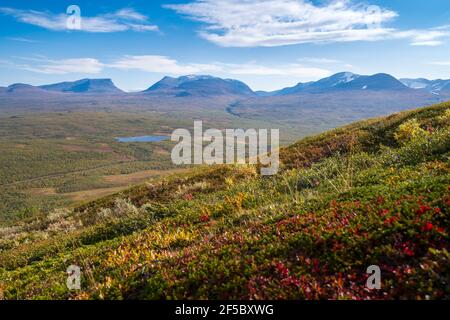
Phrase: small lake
[143,139]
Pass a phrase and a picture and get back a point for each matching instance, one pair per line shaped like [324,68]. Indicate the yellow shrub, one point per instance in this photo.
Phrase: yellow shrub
[229,181]
[409,130]
[445,117]
[236,201]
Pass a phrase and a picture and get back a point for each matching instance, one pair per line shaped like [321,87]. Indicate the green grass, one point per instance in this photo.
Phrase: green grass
[48,156]
[344,200]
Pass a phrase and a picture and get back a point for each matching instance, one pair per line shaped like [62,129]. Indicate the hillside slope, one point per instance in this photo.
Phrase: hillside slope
[375,192]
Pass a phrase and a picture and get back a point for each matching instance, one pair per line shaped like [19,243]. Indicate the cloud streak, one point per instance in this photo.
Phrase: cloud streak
[440,63]
[164,65]
[267,23]
[290,70]
[320,60]
[122,20]
[62,66]
[159,64]
[20,39]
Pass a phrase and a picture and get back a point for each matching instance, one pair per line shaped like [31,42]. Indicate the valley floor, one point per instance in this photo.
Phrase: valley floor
[58,159]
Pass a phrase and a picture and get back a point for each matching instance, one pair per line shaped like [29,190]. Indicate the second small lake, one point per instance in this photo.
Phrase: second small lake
[143,139]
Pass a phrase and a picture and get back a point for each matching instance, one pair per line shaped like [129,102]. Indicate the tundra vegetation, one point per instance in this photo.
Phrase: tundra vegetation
[375,192]
[57,159]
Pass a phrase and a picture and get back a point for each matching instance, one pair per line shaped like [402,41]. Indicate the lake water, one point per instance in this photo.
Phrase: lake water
[143,139]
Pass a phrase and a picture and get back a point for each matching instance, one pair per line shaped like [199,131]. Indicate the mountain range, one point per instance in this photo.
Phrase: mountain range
[433,86]
[92,86]
[204,85]
[84,86]
[341,98]
[198,86]
[344,81]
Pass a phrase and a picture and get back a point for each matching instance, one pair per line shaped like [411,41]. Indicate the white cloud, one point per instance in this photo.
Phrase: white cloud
[320,60]
[129,14]
[63,66]
[160,64]
[237,23]
[440,63]
[122,20]
[428,37]
[289,70]
[20,39]
[427,43]
[252,23]
[166,65]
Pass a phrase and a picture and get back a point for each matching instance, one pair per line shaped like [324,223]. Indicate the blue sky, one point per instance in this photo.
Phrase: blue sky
[269,44]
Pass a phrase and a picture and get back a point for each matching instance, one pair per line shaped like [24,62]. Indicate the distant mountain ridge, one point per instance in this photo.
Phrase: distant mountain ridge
[84,86]
[433,86]
[341,98]
[343,81]
[201,85]
[205,85]
[20,87]
[88,86]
